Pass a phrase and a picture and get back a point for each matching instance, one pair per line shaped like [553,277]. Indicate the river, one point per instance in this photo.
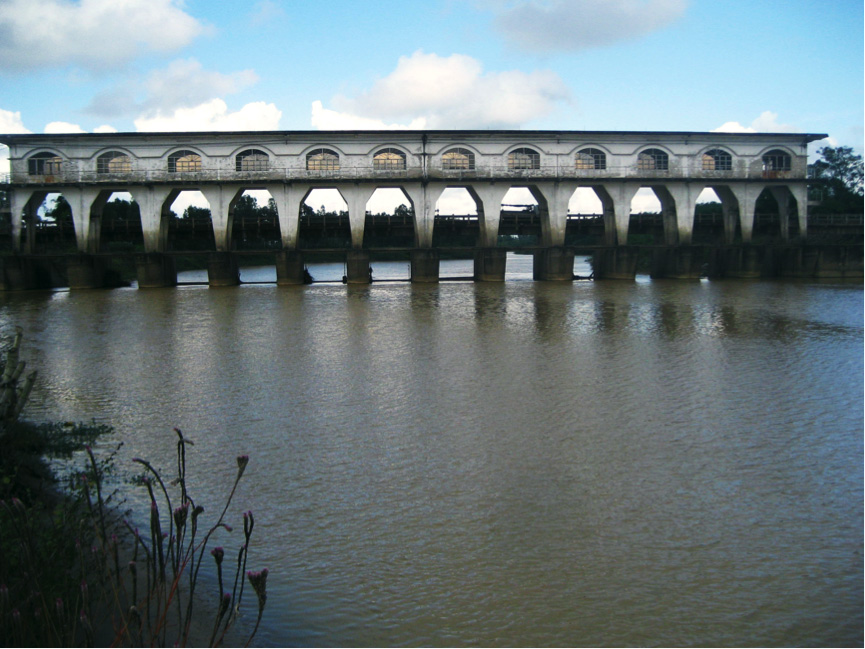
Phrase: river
[515,464]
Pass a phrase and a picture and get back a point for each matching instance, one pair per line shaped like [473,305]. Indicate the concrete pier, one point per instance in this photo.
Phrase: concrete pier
[553,264]
[424,265]
[17,274]
[155,270]
[357,269]
[615,263]
[222,269]
[490,265]
[85,271]
[289,268]
[679,262]
[743,261]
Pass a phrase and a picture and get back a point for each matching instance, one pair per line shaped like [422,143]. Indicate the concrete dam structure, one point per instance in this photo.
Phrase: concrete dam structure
[552,165]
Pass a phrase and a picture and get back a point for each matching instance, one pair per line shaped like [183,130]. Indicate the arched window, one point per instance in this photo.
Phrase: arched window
[653,160]
[322,160]
[777,160]
[717,160]
[524,159]
[44,164]
[458,159]
[251,160]
[591,159]
[184,161]
[388,160]
[113,162]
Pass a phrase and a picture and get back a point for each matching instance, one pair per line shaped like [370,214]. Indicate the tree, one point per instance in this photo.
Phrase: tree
[840,173]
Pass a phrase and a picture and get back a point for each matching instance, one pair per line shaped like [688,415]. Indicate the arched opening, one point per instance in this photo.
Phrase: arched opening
[44,164]
[590,158]
[47,225]
[708,218]
[456,222]
[776,164]
[251,160]
[520,221]
[646,224]
[458,159]
[775,215]
[324,220]
[190,225]
[255,222]
[585,218]
[119,222]
[389,219]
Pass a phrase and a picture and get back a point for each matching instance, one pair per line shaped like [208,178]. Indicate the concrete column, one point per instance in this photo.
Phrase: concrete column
[743,261]
[609,209]
[746,194]
[222,199]
[357,269]
[553,264]
[85,271]
[684,204]
[554,219]
[155,270]
[290,269]
[800,193]
[222,269]
[782,197]
[357,196]
[488,197]
[424,197]
[21,200]
[154,218]
[288,199]
[621,193]
[618,262]
[730,208]
[490,264]
[425,265]
[86,222]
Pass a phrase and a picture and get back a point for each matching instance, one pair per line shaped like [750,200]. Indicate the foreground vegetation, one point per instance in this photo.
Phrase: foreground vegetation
[74,569]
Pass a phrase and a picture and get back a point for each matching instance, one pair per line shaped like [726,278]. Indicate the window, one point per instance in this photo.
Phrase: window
[184,161]
[777,160]
[113,162]
[322,160]
[251,160]
[717,160]
[591,159]
[388,160]
[458,159]
[653,160]
[524,159]
[44,164]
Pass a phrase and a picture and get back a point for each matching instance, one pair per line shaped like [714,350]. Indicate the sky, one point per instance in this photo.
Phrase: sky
[666,65]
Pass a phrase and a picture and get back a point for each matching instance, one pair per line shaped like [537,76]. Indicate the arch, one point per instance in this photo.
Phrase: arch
[777,160]
[184,161]
[653,160]
[45,163]
[388,159]
[322,160]
[717,160]
[524,158]
[591,158]
[113,162]
[458,159]
[251,160]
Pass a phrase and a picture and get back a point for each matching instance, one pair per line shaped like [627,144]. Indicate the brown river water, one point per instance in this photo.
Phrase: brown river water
[644,463]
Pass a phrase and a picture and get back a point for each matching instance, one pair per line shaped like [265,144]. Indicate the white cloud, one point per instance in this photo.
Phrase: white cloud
[266,12]
[431,91]
[105,128]
[569,25]
[11,122]
[767,122]
[63,127]
[213,115]
[96,34]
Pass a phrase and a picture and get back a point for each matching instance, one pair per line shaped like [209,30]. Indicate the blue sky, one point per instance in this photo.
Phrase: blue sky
[689,65]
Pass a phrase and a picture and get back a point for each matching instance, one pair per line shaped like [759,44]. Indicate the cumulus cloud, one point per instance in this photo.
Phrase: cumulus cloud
[10,122]
[184,83]
[63,127]
[767,122]
[569,25]
[213,115]
[431,91]
[95,34]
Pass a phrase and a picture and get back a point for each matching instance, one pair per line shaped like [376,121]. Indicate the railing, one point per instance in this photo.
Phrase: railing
[71,175]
